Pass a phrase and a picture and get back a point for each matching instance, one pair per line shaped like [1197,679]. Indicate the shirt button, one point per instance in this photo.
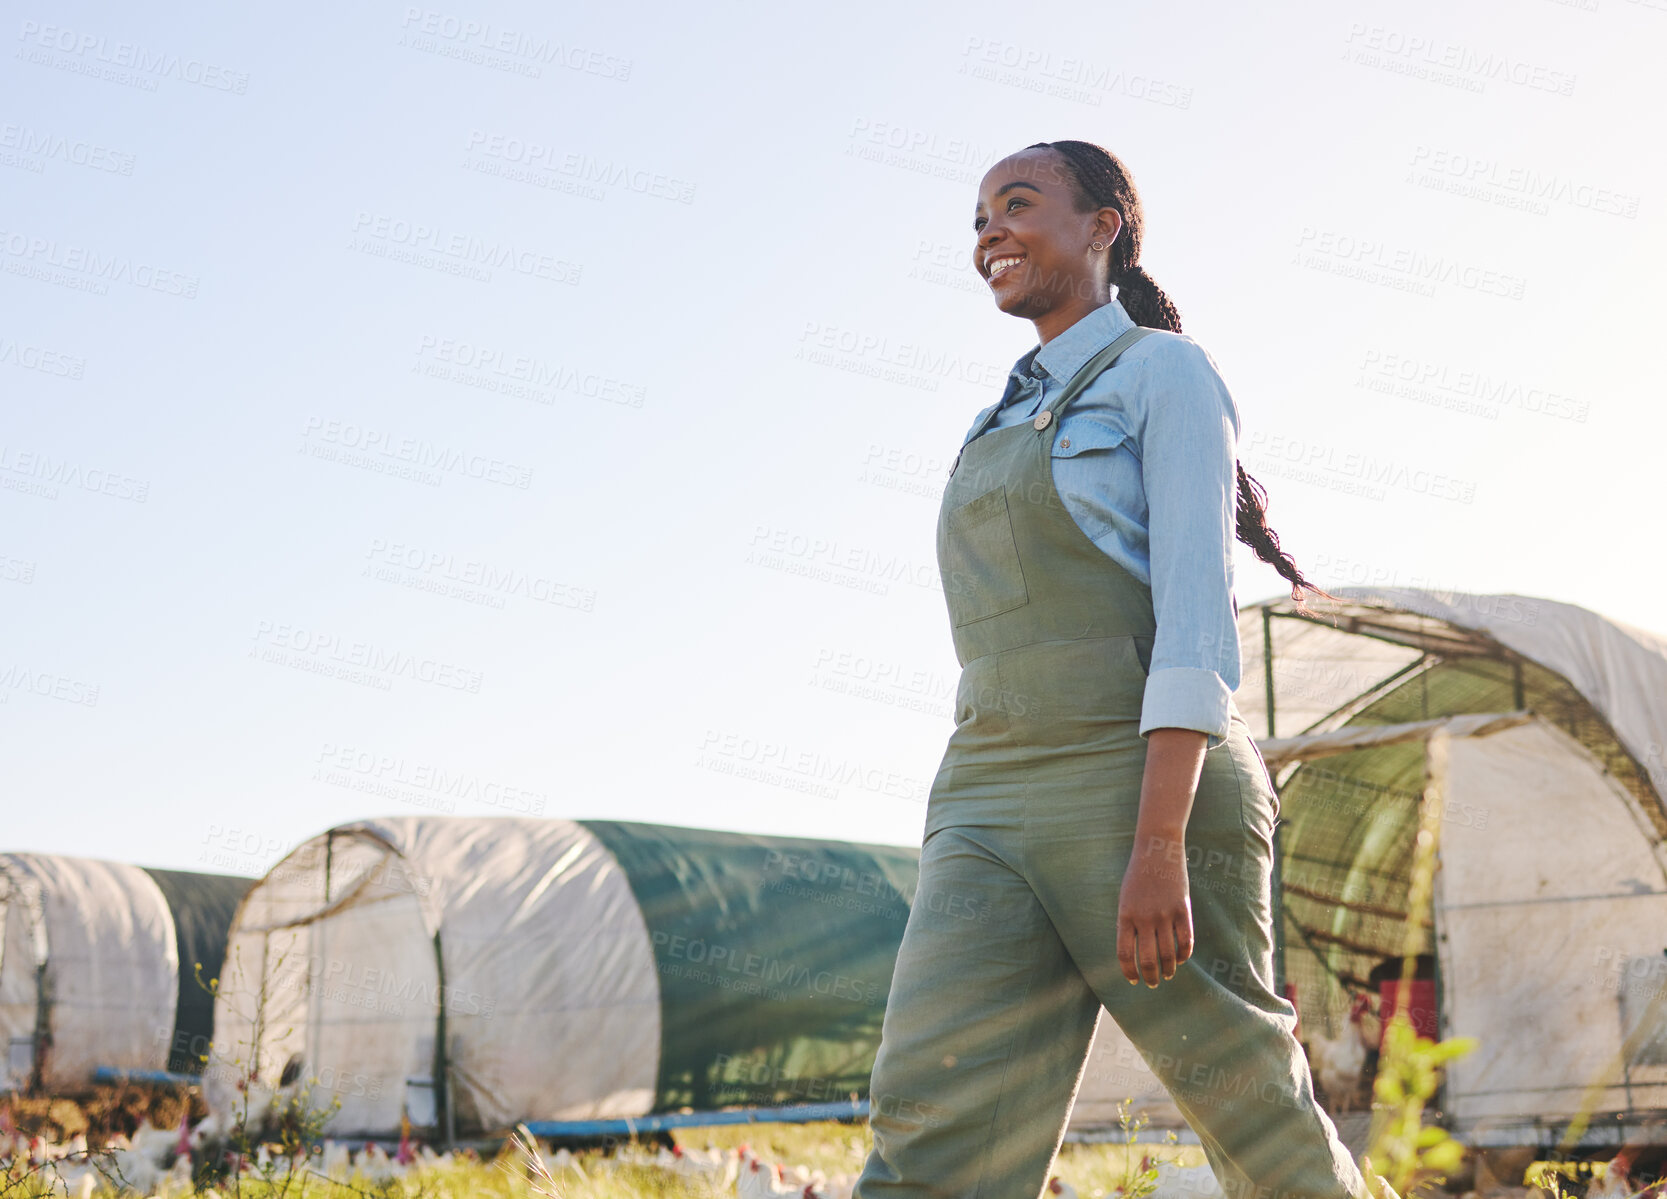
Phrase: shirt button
[1043,418]
[1064,443]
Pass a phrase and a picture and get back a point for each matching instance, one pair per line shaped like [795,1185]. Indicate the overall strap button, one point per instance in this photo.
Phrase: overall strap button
[1043,418]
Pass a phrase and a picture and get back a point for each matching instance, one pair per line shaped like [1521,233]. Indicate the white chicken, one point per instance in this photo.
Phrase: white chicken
[839,1186]
[758,1180]
[79,1182]
[1338,1061]
[716,1167]
[132,1169]
[176,1183]
[213,1127]
[152,1142]
[76,1146]
[1616,1182]
[558,1160]
[335,1162]
[802,1178]
[37,1149]
[376,1166]
[431,1160]
[1058,1186]
[271,1165]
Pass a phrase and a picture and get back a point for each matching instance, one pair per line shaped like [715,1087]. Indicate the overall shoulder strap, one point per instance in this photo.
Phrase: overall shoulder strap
[1092,368]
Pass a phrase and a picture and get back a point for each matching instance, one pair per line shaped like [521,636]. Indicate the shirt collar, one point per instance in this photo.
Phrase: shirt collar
[1066,354]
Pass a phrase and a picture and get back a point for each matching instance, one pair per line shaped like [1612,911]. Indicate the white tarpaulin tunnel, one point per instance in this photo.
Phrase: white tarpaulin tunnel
[97,967]
[478,972]
[1548,928]
[567,971]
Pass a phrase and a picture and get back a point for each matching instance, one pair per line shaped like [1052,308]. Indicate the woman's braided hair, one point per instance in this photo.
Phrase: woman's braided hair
[1100,180]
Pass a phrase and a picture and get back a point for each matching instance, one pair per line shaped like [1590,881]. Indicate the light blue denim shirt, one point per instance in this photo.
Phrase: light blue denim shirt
[1144,461]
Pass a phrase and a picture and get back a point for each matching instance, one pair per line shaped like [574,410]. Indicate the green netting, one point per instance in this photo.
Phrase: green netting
[1349,822]
[809,929]
[202,906]
[1347,839]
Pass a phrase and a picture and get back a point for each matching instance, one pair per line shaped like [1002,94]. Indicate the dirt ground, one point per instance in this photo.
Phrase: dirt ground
[101,1113]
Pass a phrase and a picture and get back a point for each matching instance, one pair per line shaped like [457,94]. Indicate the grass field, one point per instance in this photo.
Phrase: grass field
[833,1148]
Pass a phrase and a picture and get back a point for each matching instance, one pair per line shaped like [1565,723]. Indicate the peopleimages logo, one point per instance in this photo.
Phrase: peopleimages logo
[394,237]
[545,160]
[426,776]
[33,251]
[729,752]
[364,444]
[42,474]
[1066,76]
[287,644]
[493,369]
[674,949]
[99,48]
[466,33]
[442,568]
[42,144]
[38,358]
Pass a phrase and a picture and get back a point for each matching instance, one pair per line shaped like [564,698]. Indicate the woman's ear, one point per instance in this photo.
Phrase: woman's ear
[1108,223]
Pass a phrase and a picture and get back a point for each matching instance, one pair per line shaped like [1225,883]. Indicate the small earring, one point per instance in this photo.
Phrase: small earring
[1099,245]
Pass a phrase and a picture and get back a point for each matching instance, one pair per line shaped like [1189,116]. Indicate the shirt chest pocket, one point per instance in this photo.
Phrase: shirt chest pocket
[1086,437]
[1098,474]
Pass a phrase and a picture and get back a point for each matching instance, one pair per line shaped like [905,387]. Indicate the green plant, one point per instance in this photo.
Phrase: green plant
[1549,1176]
[1409,1154]
[1409,1072]
[298,1123]
[1140,1180]
[269,1155]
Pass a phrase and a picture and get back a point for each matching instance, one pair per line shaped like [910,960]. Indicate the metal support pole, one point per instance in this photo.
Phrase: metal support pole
[1267,665]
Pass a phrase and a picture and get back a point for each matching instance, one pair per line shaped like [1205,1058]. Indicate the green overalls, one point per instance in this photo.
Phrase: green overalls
[1031,819]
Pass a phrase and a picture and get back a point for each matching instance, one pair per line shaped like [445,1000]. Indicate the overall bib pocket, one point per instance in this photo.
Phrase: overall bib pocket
[981,572]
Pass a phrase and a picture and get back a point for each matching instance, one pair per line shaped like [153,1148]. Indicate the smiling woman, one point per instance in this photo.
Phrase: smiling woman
[1085,544]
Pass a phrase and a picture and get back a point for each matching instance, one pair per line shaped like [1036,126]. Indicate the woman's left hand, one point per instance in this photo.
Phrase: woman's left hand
[1154,911]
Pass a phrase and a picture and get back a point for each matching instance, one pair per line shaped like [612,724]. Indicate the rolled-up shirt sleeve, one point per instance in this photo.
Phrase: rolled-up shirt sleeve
[1189,451]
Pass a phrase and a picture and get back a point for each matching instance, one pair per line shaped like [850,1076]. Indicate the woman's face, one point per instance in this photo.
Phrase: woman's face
[1026,212]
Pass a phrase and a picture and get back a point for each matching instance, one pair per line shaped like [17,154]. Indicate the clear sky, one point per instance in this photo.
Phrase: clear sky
[493,408]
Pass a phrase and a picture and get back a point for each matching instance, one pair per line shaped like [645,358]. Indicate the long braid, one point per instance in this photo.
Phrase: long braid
[1100,180]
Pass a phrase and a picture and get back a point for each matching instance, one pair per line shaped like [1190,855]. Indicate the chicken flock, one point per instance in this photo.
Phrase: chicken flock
[743,1173]
[158,1163]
